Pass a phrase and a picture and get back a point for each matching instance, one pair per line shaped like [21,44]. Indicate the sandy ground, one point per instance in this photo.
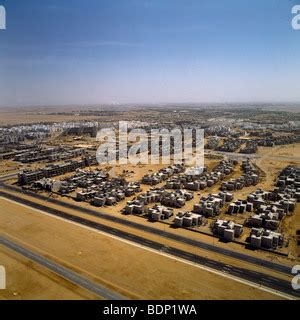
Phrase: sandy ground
[271,169]
[181,231]
[26,280]
[13,118]
[133,271]
[8,166]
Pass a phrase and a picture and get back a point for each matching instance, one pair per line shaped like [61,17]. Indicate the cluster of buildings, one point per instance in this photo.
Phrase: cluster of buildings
[157,213]
[221,131]
[49,154]
[250,147]
[240,207]
[29,176]
[162,174]
[82,178]
[210,206]
[270,207]
[212,142]
[19,133]
[52,185]
[105,191]
[134,207]
[96,186]
[230,145]
[260,133]
[98,189]
[15,141]
[137,206]
[228,230]
[268,212]
[188,219]
[262,238]
[288,182]
[268,141]
[9,140]
[81,130]
[195,182]
[232,142]
[13,150]
[174,199]
[275,141]
[282,199]
[264,126]
[249,178]
[87,178]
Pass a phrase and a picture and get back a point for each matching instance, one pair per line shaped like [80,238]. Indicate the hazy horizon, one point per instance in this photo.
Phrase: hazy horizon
[187,105]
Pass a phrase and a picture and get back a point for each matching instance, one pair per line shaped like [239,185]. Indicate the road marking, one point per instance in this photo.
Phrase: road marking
[220,273]
[266,280]
[63,271]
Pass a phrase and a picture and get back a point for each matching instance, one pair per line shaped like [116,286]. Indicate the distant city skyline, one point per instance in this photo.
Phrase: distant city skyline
[148,51]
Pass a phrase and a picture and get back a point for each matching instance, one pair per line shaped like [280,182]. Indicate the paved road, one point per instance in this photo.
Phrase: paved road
[258,278]
[252,155]
[196,243]
[62,271]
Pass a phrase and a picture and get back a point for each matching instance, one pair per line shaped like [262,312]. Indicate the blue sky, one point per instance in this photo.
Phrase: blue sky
[159,51]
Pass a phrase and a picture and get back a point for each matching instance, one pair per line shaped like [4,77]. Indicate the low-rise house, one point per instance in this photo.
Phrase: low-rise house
[227,229]
[260,237]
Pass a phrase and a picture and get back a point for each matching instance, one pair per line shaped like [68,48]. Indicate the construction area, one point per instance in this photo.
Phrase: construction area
[238,213]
